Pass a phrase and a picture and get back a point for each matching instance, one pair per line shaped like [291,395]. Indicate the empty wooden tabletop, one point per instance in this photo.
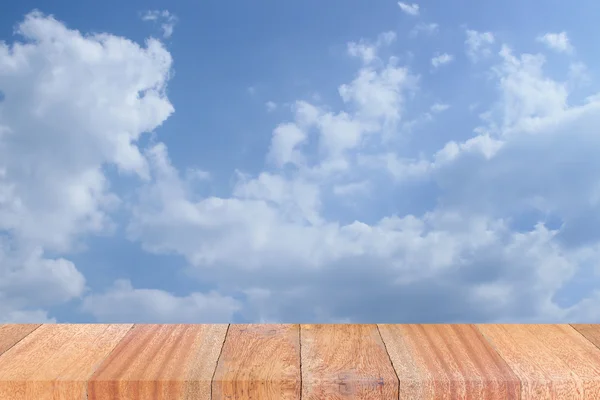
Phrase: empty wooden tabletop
[160,362]
[259,362]
[454,361]
[289,362]
[346,362]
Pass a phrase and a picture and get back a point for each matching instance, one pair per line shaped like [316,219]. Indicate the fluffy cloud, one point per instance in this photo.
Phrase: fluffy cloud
[439,107]
[293,242]
[73,104]
[334,271]
[463,260]
[124,304]
[556,41]
[353,188]
[376,96]
[410,9]
[441,59]
[271,106]
[367,51]
[478,44]
[165,18]
[428,29]
[538,140]
[30,282]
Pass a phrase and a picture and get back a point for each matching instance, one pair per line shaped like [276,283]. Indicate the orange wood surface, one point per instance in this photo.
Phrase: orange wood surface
[11,334]
[345,362]
[590,332]
[160,362]
[259,362]
[454,361]
[254,362]
[552,361]
[56,361]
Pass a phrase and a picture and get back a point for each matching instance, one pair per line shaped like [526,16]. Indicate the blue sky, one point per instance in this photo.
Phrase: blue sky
[276,161]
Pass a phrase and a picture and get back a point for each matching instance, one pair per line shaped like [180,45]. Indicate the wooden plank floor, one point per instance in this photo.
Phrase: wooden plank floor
[289,362]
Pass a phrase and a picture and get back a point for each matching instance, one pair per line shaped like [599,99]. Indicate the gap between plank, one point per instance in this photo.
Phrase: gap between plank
[212,380]
[576,330]
[389,358]
[300,355]
[18,341]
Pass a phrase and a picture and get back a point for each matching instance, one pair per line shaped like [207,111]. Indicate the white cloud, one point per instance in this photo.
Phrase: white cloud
[439,107]
[52,182]
[284,146]
[72,105]
[376,95]
[410,9]
[30,282]
[124,304]
[350,189]
[386,38]
[484,181]
[298,199]
[527,94]
[277,240]
[366,50]
[401,169]
[579,74]
[556,41]
[441,59]
[362,50]
[511,275]
[251,237]
[195,174]
[271,106]
[166,19]
[428,29]
[478,44]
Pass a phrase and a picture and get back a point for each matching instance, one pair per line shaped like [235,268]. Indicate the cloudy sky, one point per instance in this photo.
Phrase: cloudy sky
[307,161]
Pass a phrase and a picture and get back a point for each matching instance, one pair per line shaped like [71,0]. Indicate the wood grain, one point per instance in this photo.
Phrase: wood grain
[590,331]
[259,362]
[11,334]
[160,362]
[447,361]
[345,362]
[552,361]
[55,361]
[291,362]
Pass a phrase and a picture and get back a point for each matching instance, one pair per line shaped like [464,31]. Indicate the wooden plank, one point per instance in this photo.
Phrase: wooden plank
[160,362]
[552,361]
[447,361]
[263,362]
[259,362]
[345,362]
[55,361]
[575,351]
[11,334]
[590,331]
